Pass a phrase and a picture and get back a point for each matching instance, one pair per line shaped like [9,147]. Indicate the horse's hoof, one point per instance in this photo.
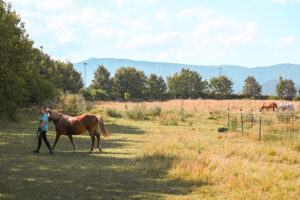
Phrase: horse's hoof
[100,149]
[91,151]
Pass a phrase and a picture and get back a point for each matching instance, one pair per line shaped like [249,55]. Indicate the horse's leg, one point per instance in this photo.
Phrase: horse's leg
[56,140]
[71,139]
[93,140]
[98,141]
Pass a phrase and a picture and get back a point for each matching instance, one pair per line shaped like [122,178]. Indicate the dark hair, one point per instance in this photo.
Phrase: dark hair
[43,108]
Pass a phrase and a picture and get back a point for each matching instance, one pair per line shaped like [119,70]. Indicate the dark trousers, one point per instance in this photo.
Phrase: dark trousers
[44,136]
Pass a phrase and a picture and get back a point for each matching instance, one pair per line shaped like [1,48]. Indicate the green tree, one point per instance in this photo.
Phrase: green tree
[15,56]
[186,84]
[102,79]
[156,87]
[285,89]
[251,87]
[27,75]
[129,83]
[221,85]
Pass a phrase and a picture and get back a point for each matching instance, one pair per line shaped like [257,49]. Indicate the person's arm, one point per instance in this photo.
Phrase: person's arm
[43,123]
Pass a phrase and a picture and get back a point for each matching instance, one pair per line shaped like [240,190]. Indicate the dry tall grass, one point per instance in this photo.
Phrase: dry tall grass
[191,105]
[222,166]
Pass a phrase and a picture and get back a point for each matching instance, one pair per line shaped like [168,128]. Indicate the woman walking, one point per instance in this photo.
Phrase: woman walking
[43,128]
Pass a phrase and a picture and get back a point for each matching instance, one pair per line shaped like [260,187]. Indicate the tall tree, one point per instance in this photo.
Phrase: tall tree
[15,55]
[156,87]
[102,79]
[186,84]
[252,87]
[285,89]
[221,85]
[27,75]
[129,83]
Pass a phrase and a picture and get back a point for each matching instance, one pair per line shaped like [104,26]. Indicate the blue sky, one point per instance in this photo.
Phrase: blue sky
[204,32]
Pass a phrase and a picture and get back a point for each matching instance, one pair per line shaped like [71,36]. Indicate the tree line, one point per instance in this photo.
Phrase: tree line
[129,83]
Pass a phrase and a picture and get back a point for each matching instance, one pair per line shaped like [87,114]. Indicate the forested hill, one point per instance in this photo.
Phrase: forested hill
[264,75]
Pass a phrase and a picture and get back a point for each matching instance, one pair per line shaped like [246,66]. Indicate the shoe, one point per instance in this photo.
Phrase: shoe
[35,151]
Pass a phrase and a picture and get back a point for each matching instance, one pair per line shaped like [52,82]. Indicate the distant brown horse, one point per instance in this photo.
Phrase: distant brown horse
[67,125]
[269,105]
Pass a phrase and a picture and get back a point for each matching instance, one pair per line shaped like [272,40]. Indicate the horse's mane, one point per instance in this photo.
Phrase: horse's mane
[55,115]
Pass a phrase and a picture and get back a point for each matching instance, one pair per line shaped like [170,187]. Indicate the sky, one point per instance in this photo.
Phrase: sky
[248,33]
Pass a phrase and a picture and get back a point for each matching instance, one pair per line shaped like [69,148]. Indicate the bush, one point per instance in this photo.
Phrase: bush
[14,116]
[136,113]
[233,124]
[73,104]
[94,94]
[155,111]
[86,93]
[296,98]
[169,120]
[99,94]
[112,112]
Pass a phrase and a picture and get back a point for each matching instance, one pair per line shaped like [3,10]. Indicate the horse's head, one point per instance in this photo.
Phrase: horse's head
[53,115]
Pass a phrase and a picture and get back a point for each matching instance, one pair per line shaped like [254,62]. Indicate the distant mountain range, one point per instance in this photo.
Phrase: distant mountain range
[266,76]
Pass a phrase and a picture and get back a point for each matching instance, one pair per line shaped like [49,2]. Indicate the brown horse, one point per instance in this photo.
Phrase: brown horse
[67,125]
[269,105]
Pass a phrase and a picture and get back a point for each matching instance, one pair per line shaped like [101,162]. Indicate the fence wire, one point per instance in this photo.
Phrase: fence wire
[277,124]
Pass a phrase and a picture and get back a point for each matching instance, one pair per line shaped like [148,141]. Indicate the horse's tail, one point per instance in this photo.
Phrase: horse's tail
[102,127]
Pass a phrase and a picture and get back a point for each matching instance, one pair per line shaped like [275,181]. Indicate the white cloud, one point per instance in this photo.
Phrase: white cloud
[67,25]
[45,4]
[283,1]
[209,35]
[286,41]
[163,15]
[109,32]
[143,40]
[121,3]
[141,23]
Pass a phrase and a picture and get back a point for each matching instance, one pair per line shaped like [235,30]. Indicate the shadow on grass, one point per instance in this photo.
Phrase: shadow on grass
[82,176]
[113,174]
[114,128]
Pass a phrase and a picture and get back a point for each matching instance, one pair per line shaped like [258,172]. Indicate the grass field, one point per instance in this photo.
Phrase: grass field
[148,159]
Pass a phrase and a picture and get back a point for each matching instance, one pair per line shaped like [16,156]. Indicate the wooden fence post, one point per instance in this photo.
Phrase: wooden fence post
[259,137]
[242,121]
[228,118]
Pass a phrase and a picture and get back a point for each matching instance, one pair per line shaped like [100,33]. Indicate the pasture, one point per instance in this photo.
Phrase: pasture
[177,154]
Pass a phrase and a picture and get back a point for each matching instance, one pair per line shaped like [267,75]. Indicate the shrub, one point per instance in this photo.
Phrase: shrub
[86,93]
[99,94]
[73,104]
[112,112]
[14,116]
[136,113]
[233,124]
[168,120]
[155,111]
[296,98]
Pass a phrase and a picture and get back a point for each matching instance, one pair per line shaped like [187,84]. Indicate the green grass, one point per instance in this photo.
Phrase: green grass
[149,160]
[112,174]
